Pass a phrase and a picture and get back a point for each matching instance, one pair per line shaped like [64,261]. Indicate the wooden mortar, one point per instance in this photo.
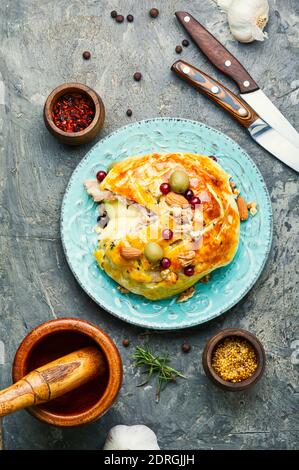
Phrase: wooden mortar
[73,373]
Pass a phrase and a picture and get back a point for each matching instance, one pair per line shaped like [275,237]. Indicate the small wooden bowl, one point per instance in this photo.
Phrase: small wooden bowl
[55,339]
[75,138]
[208,353]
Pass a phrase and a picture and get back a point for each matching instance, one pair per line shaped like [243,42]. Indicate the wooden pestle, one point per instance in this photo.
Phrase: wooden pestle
[53,380]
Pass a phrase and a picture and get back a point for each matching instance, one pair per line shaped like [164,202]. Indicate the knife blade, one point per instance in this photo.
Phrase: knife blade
[264,134]
[221,58]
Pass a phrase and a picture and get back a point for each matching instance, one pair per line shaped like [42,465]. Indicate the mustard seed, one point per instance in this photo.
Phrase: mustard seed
[234,359]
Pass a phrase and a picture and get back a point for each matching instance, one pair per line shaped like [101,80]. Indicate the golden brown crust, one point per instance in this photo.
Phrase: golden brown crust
[210,233]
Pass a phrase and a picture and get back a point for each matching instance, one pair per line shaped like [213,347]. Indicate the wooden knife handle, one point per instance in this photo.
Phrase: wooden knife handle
[53,380]
[217,53]
[232,103]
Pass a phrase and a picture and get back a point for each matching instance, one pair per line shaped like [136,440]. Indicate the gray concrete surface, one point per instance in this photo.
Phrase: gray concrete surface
[41,45]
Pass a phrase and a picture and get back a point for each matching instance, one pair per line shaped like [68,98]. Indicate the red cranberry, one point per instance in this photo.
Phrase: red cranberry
[113,14]
[165,263]
[165,188]
[194,201]
[213,158]
[178,49]
[167,234]
[189,194]
[189,271]
[101,175]
[130,18]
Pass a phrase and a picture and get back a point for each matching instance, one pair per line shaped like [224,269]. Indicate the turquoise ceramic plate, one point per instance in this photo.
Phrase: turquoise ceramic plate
[227,285]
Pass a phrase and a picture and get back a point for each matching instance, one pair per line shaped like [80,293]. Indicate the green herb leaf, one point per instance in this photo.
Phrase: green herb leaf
[155,365]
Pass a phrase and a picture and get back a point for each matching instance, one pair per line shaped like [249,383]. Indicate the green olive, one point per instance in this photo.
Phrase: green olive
[153,252]
[179,181]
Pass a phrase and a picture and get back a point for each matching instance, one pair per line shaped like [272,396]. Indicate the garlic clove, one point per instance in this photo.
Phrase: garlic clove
[138,437]
[242,32]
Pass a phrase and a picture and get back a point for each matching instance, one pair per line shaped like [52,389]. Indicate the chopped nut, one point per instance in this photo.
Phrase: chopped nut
[252,206]
[122,290]
[186,258]
[205,279]
[169,276]
[186,295]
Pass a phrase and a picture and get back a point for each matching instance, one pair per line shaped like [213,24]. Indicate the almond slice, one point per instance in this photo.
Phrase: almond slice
[130,252]
[177,200]
[243,209]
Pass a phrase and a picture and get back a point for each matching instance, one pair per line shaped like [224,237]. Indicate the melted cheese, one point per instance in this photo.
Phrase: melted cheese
[123,219]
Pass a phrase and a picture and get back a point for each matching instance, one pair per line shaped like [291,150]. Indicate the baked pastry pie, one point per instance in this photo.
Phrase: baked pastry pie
[165,221]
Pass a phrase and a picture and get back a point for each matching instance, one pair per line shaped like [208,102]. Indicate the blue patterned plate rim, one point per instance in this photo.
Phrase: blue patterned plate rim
[149,323]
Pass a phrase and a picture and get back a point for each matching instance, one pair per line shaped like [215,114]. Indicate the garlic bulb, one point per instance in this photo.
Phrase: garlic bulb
[246,18]
[137,437]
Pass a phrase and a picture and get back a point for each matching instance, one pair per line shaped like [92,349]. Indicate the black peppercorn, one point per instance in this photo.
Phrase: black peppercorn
[86,55]
[178,49]
[125,342]
[185,42]
[113,14]
[129,112]
[119,18]
[154,12]
[130,18]
[137,76]
[186,347]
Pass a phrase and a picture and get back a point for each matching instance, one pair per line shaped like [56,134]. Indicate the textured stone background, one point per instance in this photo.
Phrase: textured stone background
[41,45]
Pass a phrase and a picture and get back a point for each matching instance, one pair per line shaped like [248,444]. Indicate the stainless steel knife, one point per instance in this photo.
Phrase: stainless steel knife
[221,58]
[264,134]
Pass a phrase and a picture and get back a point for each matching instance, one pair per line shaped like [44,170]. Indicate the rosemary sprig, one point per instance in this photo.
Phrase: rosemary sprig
[155,365]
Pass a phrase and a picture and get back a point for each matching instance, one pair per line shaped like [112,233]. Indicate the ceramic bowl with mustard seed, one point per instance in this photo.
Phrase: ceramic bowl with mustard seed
[74,113]
[234,359]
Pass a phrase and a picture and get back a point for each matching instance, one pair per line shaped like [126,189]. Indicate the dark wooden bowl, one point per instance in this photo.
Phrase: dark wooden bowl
[210,347]
[75,138]
[55,339]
